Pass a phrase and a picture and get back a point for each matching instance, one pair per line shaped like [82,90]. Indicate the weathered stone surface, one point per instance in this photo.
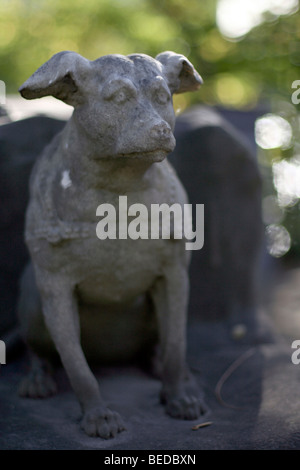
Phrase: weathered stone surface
[114,145]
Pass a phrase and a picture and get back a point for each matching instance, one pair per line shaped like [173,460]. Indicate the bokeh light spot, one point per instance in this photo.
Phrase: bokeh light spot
[278,240]
[235,18]
[273,131]
[286,177]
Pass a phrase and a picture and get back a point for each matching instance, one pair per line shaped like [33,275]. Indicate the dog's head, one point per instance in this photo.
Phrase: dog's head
[122,103]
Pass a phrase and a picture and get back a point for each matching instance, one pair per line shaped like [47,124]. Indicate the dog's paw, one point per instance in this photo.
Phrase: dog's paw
[102,422]
[37,385]
[185,407]
[185,402]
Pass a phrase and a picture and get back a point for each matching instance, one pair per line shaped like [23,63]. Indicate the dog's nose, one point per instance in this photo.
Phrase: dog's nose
[161,131]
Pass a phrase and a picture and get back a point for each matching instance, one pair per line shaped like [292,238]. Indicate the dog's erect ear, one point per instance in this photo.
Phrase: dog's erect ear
[62,76]
[179,72]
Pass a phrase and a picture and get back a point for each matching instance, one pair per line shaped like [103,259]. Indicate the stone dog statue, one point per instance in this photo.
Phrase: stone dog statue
[114,144]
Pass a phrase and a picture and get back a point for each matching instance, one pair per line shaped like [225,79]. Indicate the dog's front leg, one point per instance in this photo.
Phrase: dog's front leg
[61,316]
[180,392]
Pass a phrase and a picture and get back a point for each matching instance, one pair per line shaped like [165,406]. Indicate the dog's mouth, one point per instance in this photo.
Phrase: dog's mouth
[156,155]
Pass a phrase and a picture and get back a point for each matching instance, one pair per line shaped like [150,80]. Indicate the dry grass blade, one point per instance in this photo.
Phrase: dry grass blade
[229,372]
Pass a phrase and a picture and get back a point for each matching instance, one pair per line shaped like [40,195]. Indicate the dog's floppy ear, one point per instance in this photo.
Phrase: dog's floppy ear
[179,72]
[60,77]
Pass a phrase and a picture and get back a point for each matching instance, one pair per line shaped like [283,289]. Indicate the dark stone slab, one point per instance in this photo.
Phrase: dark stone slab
[218,169]
[20,144]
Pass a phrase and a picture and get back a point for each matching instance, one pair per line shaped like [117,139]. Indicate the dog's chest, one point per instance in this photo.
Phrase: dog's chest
[93,238]
[117,270]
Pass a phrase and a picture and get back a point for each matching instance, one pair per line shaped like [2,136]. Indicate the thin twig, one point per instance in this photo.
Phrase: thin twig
[201,425]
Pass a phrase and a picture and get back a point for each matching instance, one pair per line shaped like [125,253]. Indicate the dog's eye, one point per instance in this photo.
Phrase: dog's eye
[162,96]
[119,91]
[120,96]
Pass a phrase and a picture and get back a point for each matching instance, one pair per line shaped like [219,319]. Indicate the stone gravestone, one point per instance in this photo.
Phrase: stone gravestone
[218,169]
[20,144]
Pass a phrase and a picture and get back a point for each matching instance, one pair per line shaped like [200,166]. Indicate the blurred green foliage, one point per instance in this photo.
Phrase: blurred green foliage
[236,73]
